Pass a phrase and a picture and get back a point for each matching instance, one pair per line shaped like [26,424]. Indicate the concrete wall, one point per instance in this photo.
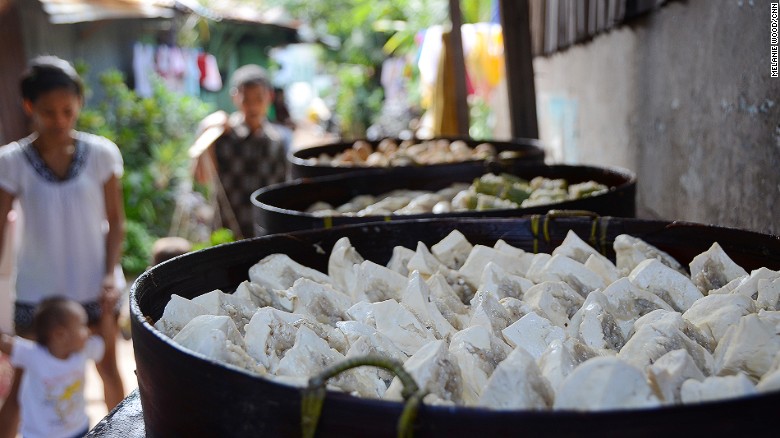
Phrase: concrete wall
[101,45]
[685,99]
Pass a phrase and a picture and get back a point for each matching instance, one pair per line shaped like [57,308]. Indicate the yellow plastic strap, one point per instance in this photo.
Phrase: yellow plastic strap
[535,232]
[604,229]
[546,229]
[327,222]
[593,231]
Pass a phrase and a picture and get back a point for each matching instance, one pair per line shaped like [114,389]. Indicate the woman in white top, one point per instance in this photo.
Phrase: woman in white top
[69,189]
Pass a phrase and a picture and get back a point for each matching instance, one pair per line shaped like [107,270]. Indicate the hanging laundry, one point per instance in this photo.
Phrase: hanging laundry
[184,70]
[210,79]
[176,68]
[191,72]
[162,60]
[428,63]
[143,68]
[483,46]
[393,79]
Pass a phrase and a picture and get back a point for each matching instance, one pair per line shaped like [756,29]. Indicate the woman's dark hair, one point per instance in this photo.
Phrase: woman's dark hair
[51,313]
[48,73]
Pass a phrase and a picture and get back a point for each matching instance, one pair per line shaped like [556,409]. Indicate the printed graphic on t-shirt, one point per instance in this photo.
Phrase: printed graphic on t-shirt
[65,394]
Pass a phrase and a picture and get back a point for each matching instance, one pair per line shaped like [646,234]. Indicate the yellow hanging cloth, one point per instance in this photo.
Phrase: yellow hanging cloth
[443,107]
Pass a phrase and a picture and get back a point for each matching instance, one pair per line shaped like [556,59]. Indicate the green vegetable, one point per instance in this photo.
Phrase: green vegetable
[518,192]
[488,184]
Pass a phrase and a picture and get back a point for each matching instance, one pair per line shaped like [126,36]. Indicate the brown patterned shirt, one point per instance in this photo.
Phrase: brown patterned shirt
[246,162]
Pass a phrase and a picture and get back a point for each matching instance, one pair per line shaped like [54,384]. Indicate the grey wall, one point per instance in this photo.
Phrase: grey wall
[684,98]
[101,45]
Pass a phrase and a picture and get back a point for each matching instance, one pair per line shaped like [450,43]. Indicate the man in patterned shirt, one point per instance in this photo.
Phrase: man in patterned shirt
[243,150]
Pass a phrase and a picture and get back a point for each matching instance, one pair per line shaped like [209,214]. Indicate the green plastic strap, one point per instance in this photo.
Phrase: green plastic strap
[314,394]
[311,408]
[409,415]
[553,214]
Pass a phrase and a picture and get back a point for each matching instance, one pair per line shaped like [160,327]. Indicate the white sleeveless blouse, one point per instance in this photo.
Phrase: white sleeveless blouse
[63,244]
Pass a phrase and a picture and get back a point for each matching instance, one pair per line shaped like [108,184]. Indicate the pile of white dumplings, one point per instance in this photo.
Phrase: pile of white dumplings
[501,328]
[390,153]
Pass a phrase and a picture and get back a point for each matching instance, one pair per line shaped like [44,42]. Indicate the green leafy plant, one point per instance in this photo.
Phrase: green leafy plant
[358,101]
[368,32]
[480,117]
[136,248]
[154,135]
[218,237]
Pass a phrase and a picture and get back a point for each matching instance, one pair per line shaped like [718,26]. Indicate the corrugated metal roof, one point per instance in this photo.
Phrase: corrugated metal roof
[249,14]
[77,11]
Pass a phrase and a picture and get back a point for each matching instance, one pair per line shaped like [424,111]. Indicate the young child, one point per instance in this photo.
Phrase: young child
[52,389]
[164,248]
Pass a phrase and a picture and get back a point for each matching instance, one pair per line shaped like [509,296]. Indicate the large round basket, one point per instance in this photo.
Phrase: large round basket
[282,207]
[301,166]
[186,395]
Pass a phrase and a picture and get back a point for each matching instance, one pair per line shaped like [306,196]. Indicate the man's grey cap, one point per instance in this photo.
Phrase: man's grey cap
[249,74]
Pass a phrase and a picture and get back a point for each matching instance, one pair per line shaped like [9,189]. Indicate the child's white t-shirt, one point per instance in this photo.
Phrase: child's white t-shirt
[51,395]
